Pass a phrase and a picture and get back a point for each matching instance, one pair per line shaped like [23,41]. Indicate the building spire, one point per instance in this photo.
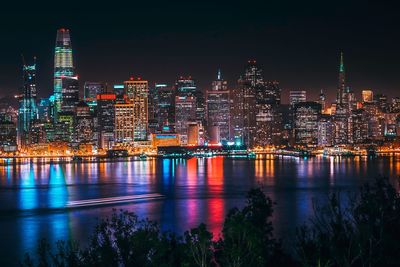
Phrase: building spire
[219,76]
[341,68]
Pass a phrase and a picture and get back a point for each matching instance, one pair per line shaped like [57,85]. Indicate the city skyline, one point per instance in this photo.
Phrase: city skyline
[297,45]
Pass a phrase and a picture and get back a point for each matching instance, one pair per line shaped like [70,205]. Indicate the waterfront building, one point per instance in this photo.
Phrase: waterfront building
[64,127]
[376,124]
[38,133]
[306,118]
[65,80]
[136,91]
[164,107]
[105,119]
[8,136]
[325,131]
[187,87]
[27,112]
[358,127]
[269,116]
[124,123]
[165,139]
[218,109]
[248,86]
[185,113]
[237,113]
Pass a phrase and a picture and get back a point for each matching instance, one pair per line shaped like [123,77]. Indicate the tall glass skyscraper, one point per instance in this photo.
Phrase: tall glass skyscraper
[27,111]
[64,70]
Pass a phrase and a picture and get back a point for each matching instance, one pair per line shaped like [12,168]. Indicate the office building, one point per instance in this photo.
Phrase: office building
[218,109]
[65,79]
[136,91]
[306,118]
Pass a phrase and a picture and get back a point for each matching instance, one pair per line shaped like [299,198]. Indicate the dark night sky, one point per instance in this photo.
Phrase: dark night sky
[296,42]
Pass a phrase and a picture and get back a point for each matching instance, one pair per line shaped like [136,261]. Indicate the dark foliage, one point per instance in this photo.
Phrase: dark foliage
[364,233]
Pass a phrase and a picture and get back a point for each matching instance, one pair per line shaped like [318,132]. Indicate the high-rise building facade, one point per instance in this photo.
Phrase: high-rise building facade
[218,110]
[325,131]
[297,96]
[65,80]
[27,112]
[124,123]
[164,107]
[306,118]
[269,116]
[84,125]
[187,87]
[105,119]
[136,91]
[342,111]
[185,113]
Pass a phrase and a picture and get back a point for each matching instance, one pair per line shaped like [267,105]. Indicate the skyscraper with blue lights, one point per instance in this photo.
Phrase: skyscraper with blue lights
[64,72]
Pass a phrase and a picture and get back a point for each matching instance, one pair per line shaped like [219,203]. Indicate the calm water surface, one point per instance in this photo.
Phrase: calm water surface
[33,197]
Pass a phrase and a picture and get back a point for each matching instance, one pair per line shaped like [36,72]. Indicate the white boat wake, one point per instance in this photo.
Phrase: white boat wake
[111,200]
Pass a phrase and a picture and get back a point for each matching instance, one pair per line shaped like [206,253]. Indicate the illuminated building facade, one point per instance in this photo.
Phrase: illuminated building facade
[358,126]
[218,109]
[367,96]
[342,110]
[186,87]
[105,119]
[65,80]
[306,118]
[297,96]
[185,113]
[90,92]
[164,107]
[268,116]
[83,124]
[325,131]
[8,136]
[124,123]
[27,112]
[136,91]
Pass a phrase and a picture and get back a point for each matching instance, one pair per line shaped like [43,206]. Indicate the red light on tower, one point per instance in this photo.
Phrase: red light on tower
[131,78]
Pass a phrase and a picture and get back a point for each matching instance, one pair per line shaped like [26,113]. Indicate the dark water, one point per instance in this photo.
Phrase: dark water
[33,197]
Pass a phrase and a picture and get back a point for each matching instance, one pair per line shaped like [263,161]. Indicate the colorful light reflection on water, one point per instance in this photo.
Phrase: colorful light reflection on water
[33,196]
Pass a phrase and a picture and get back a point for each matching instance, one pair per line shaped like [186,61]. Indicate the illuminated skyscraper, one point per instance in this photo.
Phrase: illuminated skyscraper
[65,80]
[186,87]
[27,111]
[218,109]
[164,107]
[136,91]
[341,90]
[306,118]
[341,114]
